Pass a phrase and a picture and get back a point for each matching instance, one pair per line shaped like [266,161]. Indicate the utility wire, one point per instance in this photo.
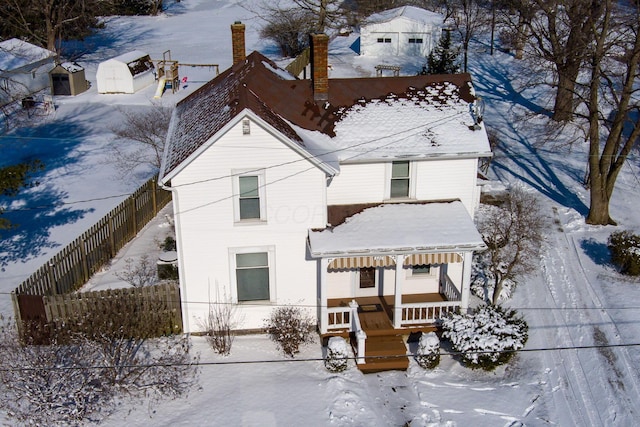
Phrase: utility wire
[451,353]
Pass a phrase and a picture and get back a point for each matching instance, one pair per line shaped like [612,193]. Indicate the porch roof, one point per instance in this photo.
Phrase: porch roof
[399,228]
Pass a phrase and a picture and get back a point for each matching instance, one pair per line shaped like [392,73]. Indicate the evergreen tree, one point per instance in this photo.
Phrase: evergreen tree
[443,59]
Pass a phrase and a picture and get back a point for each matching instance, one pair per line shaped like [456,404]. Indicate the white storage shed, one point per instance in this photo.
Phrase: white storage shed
[405,30]
[127,73]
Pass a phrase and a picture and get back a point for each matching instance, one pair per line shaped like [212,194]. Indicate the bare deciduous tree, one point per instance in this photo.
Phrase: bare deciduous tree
[140,138]
[50,384]
[468,18]
[611,102]
[560,33]
[513,233]
[140,273]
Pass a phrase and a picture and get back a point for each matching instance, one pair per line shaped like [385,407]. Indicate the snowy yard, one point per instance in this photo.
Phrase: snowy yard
[576,298]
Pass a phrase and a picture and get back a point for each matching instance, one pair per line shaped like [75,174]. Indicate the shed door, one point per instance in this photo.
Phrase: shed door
[61,85]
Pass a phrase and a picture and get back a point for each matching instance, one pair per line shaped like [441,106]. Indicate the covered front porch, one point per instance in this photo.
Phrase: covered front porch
[393,269]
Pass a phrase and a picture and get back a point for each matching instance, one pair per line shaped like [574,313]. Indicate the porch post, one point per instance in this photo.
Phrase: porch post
[397,304]
[466,281]
[322,297]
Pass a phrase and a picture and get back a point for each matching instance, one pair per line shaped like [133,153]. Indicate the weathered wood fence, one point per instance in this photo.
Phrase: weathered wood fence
[47,292]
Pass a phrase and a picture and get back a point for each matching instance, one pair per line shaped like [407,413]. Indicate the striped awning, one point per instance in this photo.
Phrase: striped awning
[434,258]
[361,262]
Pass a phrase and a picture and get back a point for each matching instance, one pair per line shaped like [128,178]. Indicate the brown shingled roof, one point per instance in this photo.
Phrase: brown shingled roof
[259,85]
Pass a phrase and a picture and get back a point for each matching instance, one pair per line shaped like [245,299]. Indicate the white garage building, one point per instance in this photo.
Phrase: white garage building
[127,73]
[405,30]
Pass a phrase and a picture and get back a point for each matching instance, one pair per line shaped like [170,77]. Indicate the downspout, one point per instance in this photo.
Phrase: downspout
[181,270]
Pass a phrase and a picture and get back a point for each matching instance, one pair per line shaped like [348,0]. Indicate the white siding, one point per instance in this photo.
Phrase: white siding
[447,179]
[434,180]
[295,200]
[399,30]
[358,183]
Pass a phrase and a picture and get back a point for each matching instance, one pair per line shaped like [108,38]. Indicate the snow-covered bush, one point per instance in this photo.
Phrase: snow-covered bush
[486,338]
[625,251]
[289,327]
[337,354]
[428,353]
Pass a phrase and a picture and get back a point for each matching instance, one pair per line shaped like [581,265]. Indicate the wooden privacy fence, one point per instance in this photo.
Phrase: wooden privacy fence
[74,265]
[156,307]
[46,294]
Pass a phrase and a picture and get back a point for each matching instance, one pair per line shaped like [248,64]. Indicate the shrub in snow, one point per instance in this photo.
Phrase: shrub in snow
[289,327]
[428,353]
[219,325]
[337,354]
[486,338]
[625,252]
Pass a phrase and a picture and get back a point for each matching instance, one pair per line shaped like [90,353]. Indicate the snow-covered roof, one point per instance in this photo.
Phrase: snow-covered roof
[421,123]
[130,56]
[410,12]
[71,67]
[364,119]
[16,53]
[400,228]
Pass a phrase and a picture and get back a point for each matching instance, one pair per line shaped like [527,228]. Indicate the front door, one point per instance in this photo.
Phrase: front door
[366,282]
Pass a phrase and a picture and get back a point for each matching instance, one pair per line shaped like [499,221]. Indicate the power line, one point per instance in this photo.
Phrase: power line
[318,157]
[449,353]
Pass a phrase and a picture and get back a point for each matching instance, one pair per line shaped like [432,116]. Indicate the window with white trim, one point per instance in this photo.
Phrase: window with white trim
[415,41]
[400,180]
[252,276]
[249,196]
[383,40]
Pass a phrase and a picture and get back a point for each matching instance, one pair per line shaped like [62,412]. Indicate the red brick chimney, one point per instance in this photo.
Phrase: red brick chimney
[319,66]
[237,42]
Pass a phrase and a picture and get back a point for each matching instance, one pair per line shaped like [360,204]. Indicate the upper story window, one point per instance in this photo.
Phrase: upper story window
[249,196]
[400,180]
[384,40]
[415,41]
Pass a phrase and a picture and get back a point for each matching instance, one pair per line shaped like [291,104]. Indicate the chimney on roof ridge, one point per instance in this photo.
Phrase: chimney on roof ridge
[237,42]
[320,66]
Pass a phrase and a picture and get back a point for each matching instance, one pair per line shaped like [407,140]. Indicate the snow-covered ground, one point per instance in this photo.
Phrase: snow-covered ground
[576,299]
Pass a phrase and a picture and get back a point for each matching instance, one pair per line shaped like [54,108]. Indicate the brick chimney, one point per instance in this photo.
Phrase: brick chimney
[319,66]
[237,42]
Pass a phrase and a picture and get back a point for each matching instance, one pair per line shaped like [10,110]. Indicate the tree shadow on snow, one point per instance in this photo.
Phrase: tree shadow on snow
[597,251]
[110,41]
[36,211]
[534,170]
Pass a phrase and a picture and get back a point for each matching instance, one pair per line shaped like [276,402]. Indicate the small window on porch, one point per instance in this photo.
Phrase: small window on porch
[367,277]
[424,269]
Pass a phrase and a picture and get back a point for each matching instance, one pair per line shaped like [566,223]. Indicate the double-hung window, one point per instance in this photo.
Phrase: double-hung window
[400,180]
[252,276]
[249,196]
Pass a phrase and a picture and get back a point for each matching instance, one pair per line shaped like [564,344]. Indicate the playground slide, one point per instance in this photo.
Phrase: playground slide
[160,89]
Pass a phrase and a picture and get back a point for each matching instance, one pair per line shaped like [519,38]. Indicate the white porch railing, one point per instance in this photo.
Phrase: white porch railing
[426,312]
[361,336]
[339,318]
[450,290]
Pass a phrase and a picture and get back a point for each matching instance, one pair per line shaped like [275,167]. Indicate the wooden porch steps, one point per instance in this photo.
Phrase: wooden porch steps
[385,353]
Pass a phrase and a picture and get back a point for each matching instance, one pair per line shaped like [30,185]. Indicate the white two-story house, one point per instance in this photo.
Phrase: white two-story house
[322,192]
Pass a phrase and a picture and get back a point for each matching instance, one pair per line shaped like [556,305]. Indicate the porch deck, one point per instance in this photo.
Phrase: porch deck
[385,345]
[376,313]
